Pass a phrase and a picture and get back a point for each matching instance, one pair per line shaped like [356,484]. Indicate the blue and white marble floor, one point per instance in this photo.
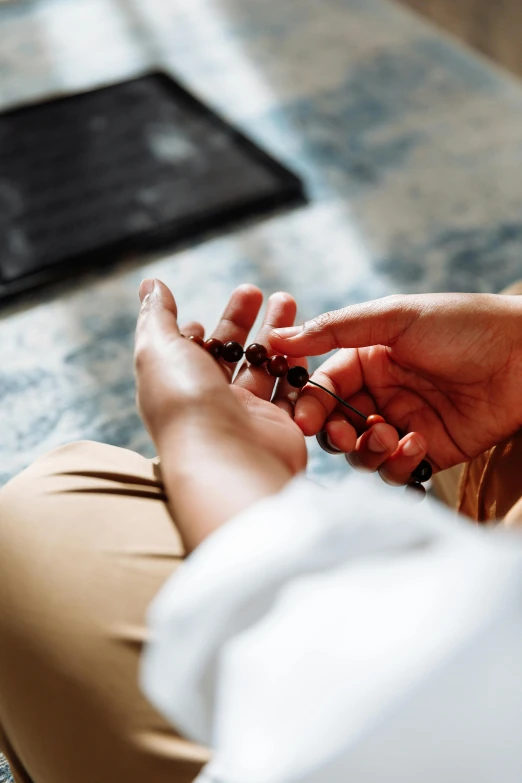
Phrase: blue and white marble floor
[409,145]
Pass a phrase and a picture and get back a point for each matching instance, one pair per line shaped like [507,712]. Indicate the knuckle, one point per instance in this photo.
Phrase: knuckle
[141,355]
[321,322]
[394,299]
[328,325]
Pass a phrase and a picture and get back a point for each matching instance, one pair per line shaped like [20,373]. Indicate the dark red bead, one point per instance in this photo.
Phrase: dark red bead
[256,354]
[277,366]
[214,347]
[196,339]
[415,491]
[232,352]
[423,472]
[297,377]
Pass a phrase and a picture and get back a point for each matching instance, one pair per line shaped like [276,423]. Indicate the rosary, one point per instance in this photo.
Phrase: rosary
[298,377]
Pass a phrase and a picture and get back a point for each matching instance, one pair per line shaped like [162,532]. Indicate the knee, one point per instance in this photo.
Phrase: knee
[47,464]
[62,456]
[22,490]
[69,467]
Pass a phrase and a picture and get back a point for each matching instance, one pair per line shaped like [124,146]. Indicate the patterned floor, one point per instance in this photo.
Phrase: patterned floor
[409,146]
[5,775]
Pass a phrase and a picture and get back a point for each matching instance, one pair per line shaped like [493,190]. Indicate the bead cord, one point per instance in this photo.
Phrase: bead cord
[339,399]
[257,355]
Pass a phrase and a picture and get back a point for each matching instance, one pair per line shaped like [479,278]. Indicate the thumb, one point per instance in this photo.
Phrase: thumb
[157,322]
[380,322]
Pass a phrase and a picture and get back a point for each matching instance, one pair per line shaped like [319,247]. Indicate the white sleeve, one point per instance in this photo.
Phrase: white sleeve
[334,635]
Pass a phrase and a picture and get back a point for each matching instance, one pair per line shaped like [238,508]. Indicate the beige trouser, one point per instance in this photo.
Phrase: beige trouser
[86,541]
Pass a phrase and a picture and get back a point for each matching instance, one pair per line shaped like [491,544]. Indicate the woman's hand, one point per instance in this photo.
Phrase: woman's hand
[446,368]
[222,447]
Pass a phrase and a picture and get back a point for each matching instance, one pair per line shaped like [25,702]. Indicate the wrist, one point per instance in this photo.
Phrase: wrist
[213,471]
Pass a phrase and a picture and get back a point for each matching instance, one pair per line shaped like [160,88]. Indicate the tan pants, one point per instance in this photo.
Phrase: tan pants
[489,488]
[86,541]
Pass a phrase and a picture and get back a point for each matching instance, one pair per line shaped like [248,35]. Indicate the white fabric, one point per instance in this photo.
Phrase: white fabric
[345,636]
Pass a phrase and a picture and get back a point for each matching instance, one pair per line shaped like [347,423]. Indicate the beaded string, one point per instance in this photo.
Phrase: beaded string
[257,355]
[340,399]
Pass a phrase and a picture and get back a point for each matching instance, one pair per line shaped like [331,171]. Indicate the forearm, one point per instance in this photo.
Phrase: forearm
[211,475]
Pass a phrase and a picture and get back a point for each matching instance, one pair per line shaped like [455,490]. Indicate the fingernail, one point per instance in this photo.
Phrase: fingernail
[330,444]
[375,443]
[288,332]
[412,448]
[146,288]
[325,443]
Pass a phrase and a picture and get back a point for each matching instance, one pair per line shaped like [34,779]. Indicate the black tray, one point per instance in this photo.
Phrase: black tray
[132,166]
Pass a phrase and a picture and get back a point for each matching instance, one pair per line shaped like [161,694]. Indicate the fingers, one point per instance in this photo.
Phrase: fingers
[193,328]
[238,319]
[281,311]
[374,447]
[379,322]
[398,467]
[286,403]
[157,321]
[341,435]
[157,336]
[159,347]
[342,375]
[173,375]
[377,449]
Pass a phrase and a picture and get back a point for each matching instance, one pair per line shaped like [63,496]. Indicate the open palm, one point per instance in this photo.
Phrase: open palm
[179,373]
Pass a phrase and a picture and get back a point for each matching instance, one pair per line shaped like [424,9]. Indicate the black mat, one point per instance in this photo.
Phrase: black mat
[133,166]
